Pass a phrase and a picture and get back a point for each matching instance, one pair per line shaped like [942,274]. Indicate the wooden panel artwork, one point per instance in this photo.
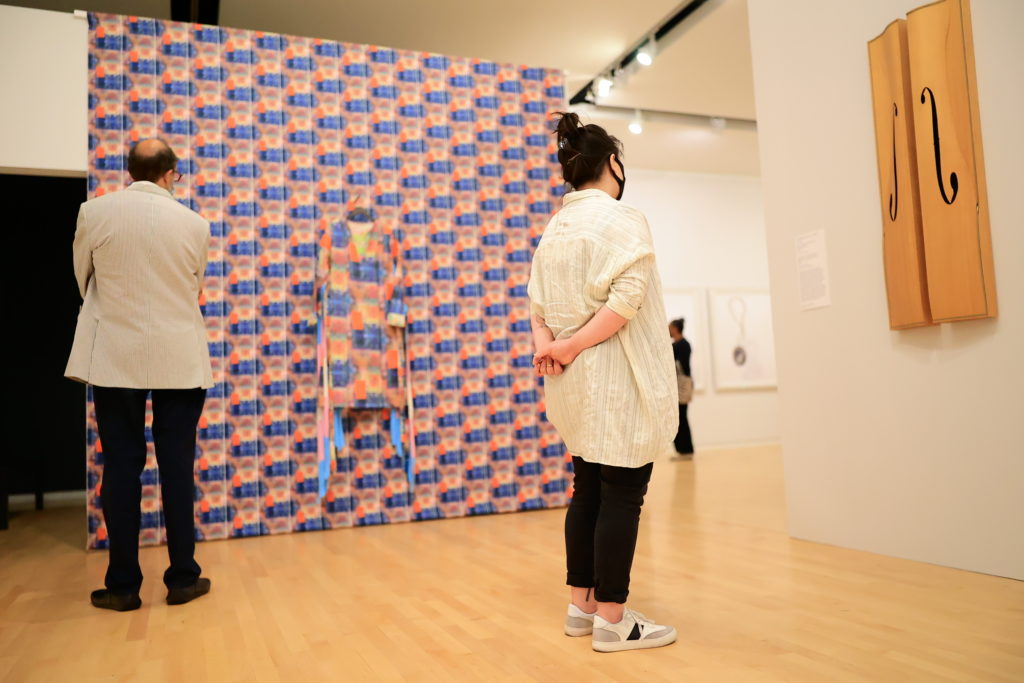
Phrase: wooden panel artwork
[951,173]
[937,243]
[902,242]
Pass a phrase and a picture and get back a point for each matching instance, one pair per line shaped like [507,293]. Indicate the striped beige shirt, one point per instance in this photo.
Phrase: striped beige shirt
[617,403]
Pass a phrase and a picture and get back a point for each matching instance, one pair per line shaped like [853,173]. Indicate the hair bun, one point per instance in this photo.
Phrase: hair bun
[568,128]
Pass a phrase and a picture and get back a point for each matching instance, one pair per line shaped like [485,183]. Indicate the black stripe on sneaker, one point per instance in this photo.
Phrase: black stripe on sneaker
[635,633]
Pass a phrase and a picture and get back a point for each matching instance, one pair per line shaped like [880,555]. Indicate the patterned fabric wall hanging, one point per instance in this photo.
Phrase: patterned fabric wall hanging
[282,140]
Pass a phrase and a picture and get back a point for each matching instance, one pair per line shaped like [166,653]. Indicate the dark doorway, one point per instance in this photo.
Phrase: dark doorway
[45,448]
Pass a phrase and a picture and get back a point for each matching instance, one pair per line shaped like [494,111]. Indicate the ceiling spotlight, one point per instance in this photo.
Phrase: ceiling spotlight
[604,86]
[717,123]
[636,126]
[645,55]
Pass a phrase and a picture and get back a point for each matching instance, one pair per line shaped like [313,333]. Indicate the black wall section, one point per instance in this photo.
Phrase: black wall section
[44,445]
[196,11]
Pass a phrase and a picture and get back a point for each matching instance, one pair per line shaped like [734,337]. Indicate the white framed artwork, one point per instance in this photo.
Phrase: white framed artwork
[689,305]
[742,340]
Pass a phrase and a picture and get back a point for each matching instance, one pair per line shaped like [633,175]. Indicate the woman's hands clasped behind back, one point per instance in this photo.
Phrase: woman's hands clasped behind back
[552,356]
[563,351]
[543,363]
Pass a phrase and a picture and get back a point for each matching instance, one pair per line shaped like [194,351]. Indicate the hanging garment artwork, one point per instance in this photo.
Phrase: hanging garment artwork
[373,215]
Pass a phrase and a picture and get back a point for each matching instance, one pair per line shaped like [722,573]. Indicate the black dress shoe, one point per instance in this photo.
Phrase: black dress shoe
[179,596]
[119,602]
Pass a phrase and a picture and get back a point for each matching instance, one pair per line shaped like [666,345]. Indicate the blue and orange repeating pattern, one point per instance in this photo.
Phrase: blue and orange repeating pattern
[279,137]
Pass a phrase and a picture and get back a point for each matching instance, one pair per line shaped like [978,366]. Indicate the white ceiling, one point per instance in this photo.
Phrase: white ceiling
[686,147]
[580,38]
[704,67]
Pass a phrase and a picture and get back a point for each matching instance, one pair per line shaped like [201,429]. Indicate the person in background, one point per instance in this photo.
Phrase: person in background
[681,350]
[599,330]
[140,261]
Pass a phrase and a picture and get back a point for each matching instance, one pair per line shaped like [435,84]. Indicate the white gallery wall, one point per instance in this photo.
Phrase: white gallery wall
[906,443]
[43,61]
[708,232]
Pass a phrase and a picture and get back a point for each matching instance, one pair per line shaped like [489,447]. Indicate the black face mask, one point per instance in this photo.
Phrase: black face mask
[622,181]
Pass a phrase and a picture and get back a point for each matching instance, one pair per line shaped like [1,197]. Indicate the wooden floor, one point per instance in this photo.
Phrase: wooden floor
[482,599]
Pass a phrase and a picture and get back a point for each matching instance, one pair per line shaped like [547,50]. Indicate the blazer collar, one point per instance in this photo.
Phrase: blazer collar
[152,188]
[584,194]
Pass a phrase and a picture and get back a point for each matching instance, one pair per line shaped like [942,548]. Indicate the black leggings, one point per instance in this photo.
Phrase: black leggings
[601,526]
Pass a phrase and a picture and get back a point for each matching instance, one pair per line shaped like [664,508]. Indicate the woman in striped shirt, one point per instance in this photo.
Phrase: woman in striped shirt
[599,330]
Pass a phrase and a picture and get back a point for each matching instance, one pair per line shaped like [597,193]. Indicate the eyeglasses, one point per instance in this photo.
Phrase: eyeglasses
[177,177]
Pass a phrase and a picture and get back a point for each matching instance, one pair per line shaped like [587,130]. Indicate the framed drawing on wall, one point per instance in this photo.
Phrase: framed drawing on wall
[689,305]
[742,340]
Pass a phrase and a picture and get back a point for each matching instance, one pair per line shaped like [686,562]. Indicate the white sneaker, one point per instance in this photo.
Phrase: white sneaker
[578,622]
[633,632]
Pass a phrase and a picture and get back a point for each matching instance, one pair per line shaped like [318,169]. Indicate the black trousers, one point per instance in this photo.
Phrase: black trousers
[683,442]
[601,526]
[121,419]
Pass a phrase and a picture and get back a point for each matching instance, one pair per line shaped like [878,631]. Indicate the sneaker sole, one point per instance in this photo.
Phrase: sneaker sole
[577,631]
[644,644]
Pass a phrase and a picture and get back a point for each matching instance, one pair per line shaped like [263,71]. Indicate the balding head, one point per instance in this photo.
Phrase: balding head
[151,160]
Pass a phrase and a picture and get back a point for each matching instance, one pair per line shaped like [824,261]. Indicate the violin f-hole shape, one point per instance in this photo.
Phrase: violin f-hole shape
[894,198]
[953,182]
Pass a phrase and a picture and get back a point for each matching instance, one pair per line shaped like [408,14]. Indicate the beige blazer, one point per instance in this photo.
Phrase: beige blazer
[140,259]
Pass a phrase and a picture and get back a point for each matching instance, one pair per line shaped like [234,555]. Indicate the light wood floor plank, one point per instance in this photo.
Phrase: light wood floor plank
[482,599]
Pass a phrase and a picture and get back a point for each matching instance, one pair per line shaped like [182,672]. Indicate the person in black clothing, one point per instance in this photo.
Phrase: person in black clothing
[681,350]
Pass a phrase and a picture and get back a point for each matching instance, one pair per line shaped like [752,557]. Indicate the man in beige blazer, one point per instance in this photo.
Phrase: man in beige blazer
[140,258]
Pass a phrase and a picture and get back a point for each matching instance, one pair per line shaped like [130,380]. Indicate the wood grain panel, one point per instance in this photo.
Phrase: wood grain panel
[951,169]
[902,240]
